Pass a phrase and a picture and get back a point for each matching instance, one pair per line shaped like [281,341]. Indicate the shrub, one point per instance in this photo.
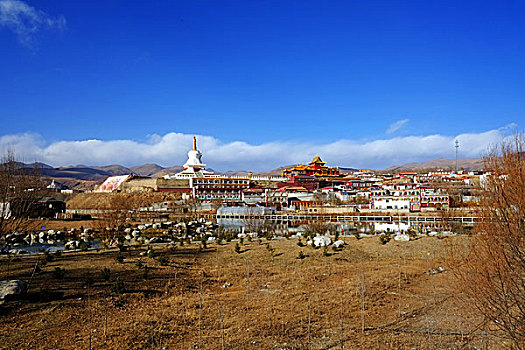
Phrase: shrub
[106,273]
[118,286]
[412,234]
[325,251]
[48,256]
[151,253]
[237,248]
[119,257]
[300,243]
[336,237]
[163,260]
[301,255]
[139,264]
[59,273]
[83,246]
[384,239]
[88,280]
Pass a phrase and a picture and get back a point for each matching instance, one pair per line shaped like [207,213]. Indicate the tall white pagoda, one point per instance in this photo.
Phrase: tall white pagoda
[194,167]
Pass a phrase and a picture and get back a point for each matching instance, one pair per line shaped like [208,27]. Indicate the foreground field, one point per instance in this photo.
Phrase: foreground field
[366,296]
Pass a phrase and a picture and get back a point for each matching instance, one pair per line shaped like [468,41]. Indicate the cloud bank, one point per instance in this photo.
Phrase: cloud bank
[171,149]
[25,21]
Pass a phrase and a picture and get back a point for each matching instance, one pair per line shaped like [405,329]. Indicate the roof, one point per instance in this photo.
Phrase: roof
[293,188]
[317,160]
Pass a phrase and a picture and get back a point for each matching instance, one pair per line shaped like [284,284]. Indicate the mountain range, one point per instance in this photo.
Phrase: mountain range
[83,176]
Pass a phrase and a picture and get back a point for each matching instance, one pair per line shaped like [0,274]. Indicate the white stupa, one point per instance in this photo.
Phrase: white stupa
[194,167]
[194,158]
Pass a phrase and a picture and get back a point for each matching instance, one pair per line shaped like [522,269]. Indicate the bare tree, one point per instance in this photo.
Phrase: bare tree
[20,190]
[119,210]
[255,221]
[491,273]
[319,227]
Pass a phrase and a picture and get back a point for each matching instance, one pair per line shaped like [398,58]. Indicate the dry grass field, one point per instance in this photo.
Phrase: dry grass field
[366,296]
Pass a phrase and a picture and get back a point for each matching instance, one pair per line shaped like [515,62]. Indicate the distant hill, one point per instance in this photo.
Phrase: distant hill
[236,173]
[146,169]
[441,163]
[276,171]
[90,174]
[171,170]
[114,169]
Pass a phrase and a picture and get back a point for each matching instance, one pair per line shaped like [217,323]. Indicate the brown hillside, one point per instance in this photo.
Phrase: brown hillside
[105,200]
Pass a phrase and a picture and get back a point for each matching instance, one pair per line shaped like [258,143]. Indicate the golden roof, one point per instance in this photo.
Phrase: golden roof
[317,160]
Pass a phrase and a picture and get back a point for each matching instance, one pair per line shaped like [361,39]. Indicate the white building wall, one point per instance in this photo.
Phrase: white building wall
[383,227]
[390,204]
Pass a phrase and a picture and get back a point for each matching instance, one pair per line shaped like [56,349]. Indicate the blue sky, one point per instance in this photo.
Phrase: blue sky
[299,76]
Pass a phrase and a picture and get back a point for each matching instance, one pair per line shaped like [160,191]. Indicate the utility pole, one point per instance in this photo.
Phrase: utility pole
[457,148]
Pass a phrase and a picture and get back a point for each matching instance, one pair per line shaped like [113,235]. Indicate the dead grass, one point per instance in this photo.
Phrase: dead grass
[257,299]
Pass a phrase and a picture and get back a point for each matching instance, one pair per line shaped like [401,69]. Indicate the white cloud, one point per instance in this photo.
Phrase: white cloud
[396,126]
[25,21]
[170,149]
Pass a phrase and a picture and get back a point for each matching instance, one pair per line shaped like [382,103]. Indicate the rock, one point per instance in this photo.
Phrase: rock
[51,232]
[71,245]
[339,243]
[128,230]
[402,238]
[18,251]
[321,241]
[10,290]
[141,227]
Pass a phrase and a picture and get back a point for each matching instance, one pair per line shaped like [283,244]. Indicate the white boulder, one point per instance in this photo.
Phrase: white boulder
[11,289]
[339,243]
[402,237]
[322,241]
